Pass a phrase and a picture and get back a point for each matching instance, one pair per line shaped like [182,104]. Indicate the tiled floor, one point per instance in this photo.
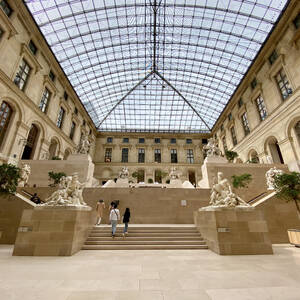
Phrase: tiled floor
[158,275]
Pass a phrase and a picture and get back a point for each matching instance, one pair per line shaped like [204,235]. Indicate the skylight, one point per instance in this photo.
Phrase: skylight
[161,66]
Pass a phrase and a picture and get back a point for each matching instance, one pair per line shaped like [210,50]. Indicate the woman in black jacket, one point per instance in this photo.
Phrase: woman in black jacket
[126,218]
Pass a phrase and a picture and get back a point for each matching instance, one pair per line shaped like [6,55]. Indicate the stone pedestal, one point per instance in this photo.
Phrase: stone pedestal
[234,231]
[53,231]
[206,181]
[175,183]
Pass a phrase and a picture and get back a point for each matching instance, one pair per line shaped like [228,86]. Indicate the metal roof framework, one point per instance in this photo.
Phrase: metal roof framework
[155,65]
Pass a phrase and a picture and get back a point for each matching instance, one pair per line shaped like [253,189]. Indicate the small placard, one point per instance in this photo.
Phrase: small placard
[24,229]
[223,229]
[183,203]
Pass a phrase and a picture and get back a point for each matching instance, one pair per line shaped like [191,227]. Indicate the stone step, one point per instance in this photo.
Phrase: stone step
[155,242]
[144,247]
[147,238]
[146,231]
[149,234]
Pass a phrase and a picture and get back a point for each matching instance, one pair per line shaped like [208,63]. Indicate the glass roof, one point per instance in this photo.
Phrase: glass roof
[155,65]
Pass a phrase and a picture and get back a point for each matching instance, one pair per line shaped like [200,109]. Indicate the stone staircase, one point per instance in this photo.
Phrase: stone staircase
[145,237]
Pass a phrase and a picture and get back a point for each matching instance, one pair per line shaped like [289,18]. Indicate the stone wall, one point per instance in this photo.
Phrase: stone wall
[11,209]
[53,231]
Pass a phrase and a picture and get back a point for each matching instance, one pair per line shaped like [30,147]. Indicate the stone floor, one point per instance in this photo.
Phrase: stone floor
[145,275]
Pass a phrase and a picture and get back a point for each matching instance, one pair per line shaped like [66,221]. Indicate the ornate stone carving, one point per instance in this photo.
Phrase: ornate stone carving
[222,195]
[124,173]
[270,177]
[212,148]
[84,146]
[25,172]
[69,193]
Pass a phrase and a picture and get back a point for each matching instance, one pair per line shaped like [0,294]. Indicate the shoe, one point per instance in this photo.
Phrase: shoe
[112,236]
[123,235]
[126,232]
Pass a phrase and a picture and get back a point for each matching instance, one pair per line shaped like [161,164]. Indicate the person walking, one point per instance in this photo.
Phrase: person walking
[126,218]
[100,208]
[114,216]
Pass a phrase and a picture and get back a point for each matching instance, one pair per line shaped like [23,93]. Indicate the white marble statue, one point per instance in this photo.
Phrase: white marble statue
[24,175]
[69,193]
[222,195]
[212,148]
[84,146]
[270,177]
[124,173]
[174,174]
[269,159]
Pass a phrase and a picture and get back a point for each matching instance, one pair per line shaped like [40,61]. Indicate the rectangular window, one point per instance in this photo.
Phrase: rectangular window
[204,141]
[245,123]
[233,136]
[125,155]
[240,103]
[224,144]
[297,22]
[125,140]
[6,8]
[173,156]
[108,154]
[141,158]
[189,141]
[230,117]
[76,111]
[190,156]
[222,127]
[141,140]
[261,107]
[157,140]
[1,33]
[45,100]
[83,123]
[273,57]
[51,76]
[283,84]
[72,131]
[173,141]
[22,75]
[32,47]
[66,96]
[60,118]
[109,140]
[157,155]
[253,83]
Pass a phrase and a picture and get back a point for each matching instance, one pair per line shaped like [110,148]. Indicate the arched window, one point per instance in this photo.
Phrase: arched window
[5,115]
[30,143]
[53,148]
[297,131]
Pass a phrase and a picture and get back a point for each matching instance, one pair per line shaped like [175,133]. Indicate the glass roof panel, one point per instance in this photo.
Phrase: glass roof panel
[155,65]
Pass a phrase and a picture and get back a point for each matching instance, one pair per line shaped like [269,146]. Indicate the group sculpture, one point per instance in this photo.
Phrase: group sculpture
[174,174]
[84,145]
[124,173]
[270,177]
[69,193]
[222,195]
[24,175]
[212,148]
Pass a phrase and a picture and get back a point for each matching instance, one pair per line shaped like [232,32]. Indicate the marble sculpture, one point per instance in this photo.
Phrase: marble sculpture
[24,175]
[222,195]
[69,193]
[84,146]
[270,177]
[212,148]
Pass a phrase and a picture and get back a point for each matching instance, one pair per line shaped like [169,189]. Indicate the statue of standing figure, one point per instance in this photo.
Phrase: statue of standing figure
[174,174]
[24,175]
[270,177]
[84,146]
[212,148]
[222,195]
[69,193]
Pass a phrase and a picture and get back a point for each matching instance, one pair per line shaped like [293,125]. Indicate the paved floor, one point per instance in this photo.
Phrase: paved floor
[145,275]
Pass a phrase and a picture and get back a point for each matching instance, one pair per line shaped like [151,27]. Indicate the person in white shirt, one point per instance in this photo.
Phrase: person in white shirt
[114,216]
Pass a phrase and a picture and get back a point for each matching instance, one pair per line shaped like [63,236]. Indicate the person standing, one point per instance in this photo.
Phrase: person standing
[114,216]
[126,218]
[100,207]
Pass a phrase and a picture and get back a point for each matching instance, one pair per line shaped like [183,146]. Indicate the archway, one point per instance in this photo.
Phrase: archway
[31,141]
[274,151]
[53,148]
[192,177]
[5,116]
[253,157]
[157,176]
[297,132]
[67,153]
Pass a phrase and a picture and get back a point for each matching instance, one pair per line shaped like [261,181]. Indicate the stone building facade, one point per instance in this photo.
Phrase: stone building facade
[40,114]
[262,120]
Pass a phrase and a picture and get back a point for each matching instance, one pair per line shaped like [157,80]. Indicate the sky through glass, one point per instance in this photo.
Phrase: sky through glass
[161,66]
